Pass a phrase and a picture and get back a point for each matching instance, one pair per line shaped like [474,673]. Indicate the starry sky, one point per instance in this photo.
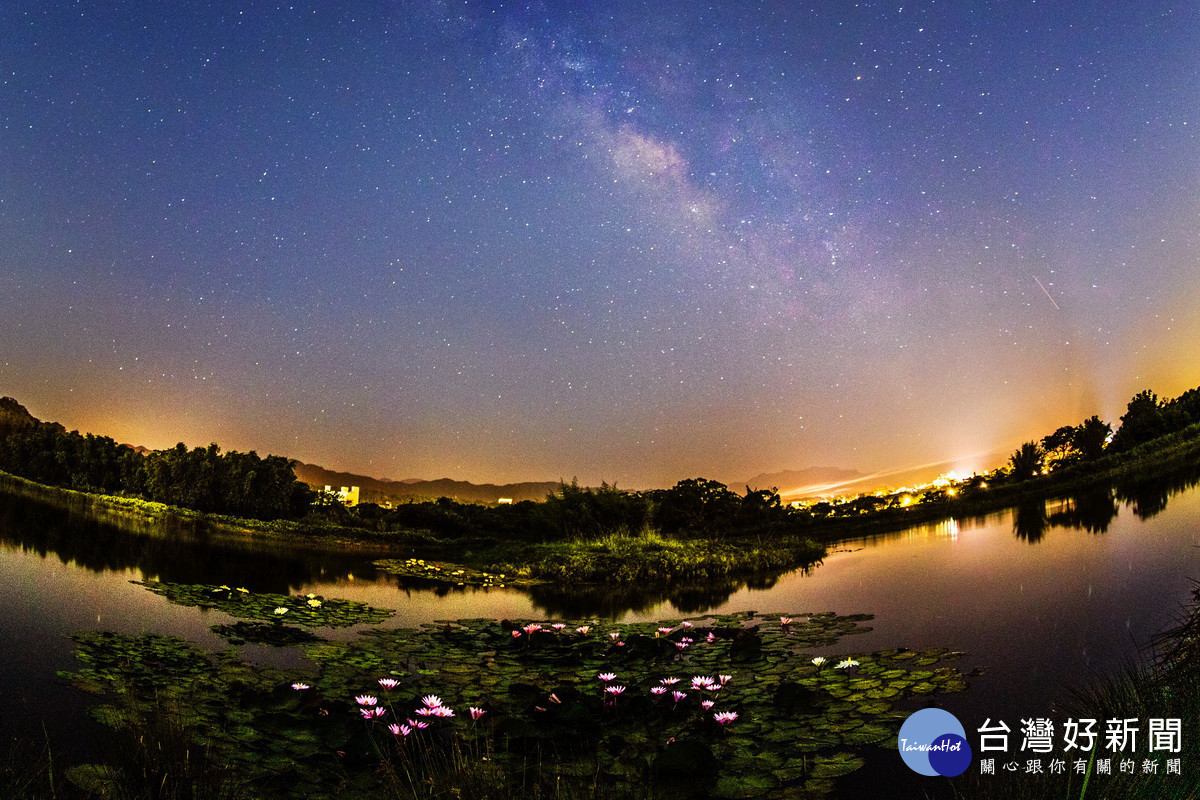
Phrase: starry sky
[623,241]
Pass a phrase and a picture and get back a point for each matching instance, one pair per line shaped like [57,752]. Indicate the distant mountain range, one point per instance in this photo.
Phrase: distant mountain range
[811,481]
[378,490]
[792,483]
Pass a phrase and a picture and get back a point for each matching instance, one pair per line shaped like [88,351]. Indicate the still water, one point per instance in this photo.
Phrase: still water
[1040,598]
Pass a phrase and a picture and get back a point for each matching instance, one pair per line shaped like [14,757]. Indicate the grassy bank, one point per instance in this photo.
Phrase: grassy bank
[608,559]
[778,539]
[144,516]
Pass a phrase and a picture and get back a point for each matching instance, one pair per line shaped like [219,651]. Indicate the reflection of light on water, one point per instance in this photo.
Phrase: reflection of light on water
[947,528]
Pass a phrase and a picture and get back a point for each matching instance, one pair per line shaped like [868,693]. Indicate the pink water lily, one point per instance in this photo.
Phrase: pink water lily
[532,627]
[431,700]
[682,645]
[669,681]
[582,630]
[685,624]
[399,730]
[785,620]
[476,713]
[614,635]
[607,676]
[725,717]
[300,687]
[712,637]
[707,704]
[441,711]
[658,690]
[724,679]
[418,724]
[614,690]
[366,699]
[558,626]
[389,683]
[678,695]
[665,631]
[516,634]
[700,682]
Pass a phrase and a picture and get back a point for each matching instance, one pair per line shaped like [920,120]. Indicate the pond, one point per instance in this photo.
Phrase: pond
[1041,598]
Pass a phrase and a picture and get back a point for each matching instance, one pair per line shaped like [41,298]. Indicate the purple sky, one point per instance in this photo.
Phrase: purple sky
[619,241]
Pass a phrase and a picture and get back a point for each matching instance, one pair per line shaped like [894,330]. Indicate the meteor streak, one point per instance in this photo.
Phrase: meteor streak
[1048,297]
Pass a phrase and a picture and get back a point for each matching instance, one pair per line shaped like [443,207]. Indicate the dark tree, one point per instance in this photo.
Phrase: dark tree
[1027,461]
[1143,420]
[1091,437]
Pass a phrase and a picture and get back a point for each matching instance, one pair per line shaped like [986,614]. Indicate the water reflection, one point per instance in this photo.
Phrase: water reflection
[1030,521]
[161,552]
[1148,497]
[1094,509]
[616,601]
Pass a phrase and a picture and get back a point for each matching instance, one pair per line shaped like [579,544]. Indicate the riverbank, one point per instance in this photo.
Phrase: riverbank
[610,559]
[1161,456]
[147,517]
[623,557]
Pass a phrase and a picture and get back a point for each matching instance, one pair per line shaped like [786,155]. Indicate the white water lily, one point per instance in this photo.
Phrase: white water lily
[846,664]
[819,660]
[281,610]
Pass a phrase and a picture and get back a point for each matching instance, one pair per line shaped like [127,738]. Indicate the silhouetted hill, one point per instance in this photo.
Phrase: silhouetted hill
[377,490]
[14,415]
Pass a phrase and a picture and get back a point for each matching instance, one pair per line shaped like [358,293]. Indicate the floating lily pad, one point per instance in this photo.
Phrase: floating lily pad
[543,690]
[264,633]
[453,574]
[309,610]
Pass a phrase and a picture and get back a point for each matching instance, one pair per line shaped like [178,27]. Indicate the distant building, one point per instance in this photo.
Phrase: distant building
[347,495]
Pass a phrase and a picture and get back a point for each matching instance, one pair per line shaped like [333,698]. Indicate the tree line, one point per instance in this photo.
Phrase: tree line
[202,479]
[693,507]
[247,485]
[1146,418]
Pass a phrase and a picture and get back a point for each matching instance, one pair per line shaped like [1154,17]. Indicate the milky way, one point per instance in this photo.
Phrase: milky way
[620,241]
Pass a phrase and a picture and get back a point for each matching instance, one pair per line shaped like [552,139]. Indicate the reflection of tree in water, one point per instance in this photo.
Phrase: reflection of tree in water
[1149,496]
[164,554]
[1030,521]
[615,601]
[595,600]
[1092,511]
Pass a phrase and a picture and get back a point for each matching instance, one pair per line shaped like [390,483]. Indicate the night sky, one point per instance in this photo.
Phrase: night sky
[614,240]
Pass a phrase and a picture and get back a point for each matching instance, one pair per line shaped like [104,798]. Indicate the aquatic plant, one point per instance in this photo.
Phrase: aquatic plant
[269,607]
[754,714]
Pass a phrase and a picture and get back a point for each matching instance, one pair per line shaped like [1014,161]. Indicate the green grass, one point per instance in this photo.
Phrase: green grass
[650,556]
